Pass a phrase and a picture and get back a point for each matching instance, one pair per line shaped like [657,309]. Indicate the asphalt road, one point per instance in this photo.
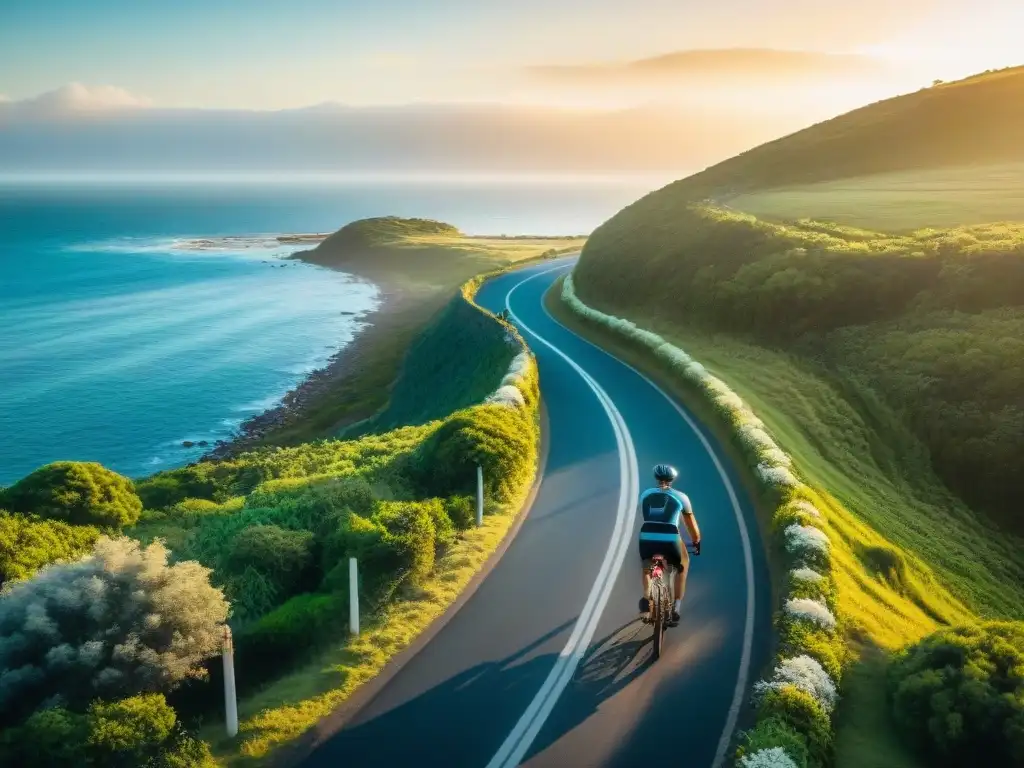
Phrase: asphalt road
[547,663]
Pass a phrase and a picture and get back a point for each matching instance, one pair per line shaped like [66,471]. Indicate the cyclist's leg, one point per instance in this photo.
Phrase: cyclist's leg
[682,565]
[680,560]
[645,564]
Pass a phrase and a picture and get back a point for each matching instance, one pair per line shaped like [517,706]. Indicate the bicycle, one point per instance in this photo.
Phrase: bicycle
[661,598]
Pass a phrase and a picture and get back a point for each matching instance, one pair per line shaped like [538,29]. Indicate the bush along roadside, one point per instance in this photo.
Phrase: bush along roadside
[421,530]
[794,705]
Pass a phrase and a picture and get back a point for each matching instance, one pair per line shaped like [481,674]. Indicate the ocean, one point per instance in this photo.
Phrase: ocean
[117,344]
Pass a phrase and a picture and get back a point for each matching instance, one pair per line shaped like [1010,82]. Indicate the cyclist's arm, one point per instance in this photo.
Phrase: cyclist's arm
[690,521]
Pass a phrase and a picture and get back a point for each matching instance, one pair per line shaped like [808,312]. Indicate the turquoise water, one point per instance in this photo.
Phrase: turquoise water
[116,345]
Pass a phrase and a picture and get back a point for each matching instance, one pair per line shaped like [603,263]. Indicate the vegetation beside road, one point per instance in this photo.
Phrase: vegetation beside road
[270,532]
[889,365]
[824,558]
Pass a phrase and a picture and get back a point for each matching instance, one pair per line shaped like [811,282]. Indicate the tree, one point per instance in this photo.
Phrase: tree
[118,623]
[137,731]
[80,493]
[959,694]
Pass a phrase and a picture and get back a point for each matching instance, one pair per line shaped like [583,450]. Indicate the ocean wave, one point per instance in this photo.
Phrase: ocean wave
[266,246]
[258,406]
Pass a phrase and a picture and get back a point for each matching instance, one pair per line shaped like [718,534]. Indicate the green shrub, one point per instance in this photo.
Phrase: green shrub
[196,507]
[381,558]
[959,695]
[80,493]
[117,623]
[26,545]
[282,555]
[317,496]
[141,731]
[131,725]
[775,732]
[499,438]
[410,526]
[132,732]
[289,630]
[798,711]
[258,563]
[52,737]
[461,511]
[444,528]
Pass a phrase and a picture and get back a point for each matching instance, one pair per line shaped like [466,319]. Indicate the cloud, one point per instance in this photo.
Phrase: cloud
[713,65]
[78,98]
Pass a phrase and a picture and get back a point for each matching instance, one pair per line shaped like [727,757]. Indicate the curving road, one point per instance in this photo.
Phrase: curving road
[546,664]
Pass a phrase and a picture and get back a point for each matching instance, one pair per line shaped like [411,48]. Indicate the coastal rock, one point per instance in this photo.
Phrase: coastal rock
[187,443]
[204,442]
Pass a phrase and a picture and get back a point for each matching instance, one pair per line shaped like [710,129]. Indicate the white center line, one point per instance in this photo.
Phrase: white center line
[522,736]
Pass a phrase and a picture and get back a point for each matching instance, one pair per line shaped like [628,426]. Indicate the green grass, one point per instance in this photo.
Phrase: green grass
[865,736]
[946,197]
[855,448]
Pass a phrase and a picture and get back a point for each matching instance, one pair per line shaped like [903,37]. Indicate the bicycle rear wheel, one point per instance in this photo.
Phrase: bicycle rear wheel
[658,616]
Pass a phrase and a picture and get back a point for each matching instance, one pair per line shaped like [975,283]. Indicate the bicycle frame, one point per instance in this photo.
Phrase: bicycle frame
[661,599]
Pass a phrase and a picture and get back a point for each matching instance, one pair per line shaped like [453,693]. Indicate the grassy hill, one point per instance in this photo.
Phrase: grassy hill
[974,121]
[419,265]
[874,314]
[887,307]
[900,201]
[424,254]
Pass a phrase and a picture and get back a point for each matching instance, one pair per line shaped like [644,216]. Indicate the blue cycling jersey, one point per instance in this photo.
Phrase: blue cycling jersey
[662,509]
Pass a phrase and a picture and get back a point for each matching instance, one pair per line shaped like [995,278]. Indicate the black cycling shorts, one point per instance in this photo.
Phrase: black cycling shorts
[672,551]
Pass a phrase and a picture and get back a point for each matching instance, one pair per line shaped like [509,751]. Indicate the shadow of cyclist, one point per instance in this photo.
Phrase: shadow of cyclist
[465,719]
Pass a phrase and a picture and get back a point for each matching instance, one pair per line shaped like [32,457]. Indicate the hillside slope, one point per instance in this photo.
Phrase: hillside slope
[973,121]
[930,320]
[891,365]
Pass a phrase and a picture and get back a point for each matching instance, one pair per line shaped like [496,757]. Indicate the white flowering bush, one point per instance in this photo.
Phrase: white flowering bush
[507,395]
[814,611]
[814,652]
[773,757]
[807,675]
[511,391]
[753,436]
[517,369]
[806,574]
[777,475]
[117,623]
[807,543]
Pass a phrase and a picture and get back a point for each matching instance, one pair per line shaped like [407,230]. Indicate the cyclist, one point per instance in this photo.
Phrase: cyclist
[660,534]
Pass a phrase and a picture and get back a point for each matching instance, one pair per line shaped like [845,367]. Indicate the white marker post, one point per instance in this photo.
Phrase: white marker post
[353,596]
[479,496]
[230,697]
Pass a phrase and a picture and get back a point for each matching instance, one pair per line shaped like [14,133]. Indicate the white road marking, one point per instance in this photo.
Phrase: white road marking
[519,740]
[743,674]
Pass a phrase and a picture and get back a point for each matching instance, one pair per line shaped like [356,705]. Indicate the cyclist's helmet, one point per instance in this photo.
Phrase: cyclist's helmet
[665,473]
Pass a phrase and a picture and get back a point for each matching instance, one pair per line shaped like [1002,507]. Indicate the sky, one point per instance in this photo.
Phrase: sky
[274,54]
